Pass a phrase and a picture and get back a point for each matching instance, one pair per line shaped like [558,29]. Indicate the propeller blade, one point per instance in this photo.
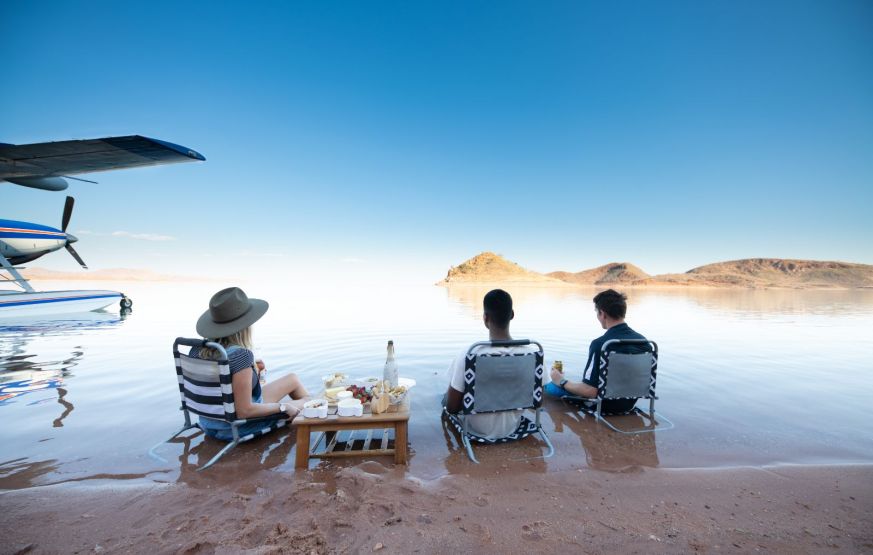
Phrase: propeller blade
[78,258]
[68,211]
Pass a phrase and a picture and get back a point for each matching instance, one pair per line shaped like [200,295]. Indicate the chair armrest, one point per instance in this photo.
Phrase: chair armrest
[280,415]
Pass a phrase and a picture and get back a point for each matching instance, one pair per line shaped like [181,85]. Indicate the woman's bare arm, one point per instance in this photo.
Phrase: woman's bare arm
[242,398]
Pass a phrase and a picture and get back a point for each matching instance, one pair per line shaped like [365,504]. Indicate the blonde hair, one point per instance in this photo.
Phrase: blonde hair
[242,338]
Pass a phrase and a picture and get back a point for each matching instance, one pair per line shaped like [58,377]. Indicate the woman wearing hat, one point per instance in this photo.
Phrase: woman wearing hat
[228,322]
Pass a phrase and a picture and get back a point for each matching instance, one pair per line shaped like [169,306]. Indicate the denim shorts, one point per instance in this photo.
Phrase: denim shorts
[244,430]
[555,390]
[219,429]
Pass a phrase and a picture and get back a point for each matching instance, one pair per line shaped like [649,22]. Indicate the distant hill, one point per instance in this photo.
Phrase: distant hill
[748,273]
[614,272]
[113,274]
[772,272]
[489,267]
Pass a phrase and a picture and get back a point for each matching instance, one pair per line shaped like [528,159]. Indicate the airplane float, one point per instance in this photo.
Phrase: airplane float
[47,166]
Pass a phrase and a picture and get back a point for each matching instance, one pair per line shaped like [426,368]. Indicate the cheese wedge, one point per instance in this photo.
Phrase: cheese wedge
[331,392]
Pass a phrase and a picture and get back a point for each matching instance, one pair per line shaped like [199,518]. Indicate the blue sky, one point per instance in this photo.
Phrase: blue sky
[351,138]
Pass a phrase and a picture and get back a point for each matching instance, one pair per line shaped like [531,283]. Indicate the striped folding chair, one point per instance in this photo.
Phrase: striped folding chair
[501,382]
[628,370]
[205,389]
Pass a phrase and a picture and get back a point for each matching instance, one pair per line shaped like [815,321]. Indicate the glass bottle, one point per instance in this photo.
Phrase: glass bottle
[390,373]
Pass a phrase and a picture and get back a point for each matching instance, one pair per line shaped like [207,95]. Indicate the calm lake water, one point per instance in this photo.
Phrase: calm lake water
[748,377]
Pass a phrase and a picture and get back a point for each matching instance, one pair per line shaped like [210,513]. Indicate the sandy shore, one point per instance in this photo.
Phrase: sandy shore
[507,508]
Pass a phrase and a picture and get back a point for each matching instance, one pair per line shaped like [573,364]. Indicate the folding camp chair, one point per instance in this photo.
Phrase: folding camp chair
[625,375]
[499,382]
[205,389]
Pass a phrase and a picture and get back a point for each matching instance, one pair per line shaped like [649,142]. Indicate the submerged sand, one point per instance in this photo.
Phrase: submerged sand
[511,507]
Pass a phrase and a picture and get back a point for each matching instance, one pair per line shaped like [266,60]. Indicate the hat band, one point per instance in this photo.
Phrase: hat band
[231,319]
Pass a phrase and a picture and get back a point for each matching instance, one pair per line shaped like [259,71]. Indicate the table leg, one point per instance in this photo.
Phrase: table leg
[302,458]
[400,443]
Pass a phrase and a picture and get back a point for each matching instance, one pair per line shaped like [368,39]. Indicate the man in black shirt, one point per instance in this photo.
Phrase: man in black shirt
[611,308]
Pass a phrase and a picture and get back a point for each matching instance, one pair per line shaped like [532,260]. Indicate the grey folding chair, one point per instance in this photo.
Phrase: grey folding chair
[500,382]
[626,375]
[206,390]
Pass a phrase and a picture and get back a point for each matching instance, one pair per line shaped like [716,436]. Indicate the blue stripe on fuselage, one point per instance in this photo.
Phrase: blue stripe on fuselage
[17,235]
[56,300]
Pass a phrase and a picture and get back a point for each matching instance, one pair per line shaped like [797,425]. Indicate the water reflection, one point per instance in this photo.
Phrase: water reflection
[834,302]
[526,454]
[270,452]
[470,296]
[21,473]
[24,372]
[760,302]
[21,372]
[605,449]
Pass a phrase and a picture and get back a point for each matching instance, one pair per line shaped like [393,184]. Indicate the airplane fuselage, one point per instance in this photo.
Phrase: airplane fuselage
[22,242]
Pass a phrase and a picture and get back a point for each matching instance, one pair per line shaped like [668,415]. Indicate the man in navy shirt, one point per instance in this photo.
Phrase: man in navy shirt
[611,308]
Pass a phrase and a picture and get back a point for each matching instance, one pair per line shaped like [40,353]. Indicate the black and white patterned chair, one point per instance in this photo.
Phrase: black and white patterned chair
[501,382]
[206,390]
[625,373]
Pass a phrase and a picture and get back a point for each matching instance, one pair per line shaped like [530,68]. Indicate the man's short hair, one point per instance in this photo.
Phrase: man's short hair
[612,303]
[498,306]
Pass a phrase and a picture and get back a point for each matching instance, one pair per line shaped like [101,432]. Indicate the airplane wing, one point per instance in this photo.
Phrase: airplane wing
[41,165]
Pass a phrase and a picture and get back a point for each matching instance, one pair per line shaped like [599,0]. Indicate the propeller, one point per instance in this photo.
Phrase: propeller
[65,221]
[68,211]
[78,258]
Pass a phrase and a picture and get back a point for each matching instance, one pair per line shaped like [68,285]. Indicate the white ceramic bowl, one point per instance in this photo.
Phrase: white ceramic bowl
[316,408]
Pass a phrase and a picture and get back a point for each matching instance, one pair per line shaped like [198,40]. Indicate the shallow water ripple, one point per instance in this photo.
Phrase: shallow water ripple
[749,377]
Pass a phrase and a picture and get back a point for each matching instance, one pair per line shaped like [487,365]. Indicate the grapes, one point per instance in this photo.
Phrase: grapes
[359,393]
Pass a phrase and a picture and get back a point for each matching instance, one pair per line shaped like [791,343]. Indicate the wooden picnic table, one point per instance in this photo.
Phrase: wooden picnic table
[333,424]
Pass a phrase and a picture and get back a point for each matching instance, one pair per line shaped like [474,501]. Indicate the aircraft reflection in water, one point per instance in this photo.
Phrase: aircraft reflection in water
[21,374]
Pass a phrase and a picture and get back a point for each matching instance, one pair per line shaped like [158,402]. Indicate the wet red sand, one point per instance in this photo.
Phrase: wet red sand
[499,508]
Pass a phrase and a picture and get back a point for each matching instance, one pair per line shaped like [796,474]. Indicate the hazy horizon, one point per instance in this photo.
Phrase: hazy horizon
[308,276]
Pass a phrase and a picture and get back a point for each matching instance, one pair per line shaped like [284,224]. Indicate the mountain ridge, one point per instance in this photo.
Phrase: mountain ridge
[748,273]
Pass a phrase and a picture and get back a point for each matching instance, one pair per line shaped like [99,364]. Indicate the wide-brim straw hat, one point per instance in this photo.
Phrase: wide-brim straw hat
[230,311]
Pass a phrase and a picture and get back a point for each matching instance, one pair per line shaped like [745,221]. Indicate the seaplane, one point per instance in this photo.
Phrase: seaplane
[47,166]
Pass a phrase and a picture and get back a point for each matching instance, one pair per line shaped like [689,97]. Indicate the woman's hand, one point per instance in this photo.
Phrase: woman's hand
[262,371]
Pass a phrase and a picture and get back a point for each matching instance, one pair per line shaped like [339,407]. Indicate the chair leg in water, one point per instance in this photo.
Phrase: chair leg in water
[220,454]
[469,447]
[155,456]
[548,442]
